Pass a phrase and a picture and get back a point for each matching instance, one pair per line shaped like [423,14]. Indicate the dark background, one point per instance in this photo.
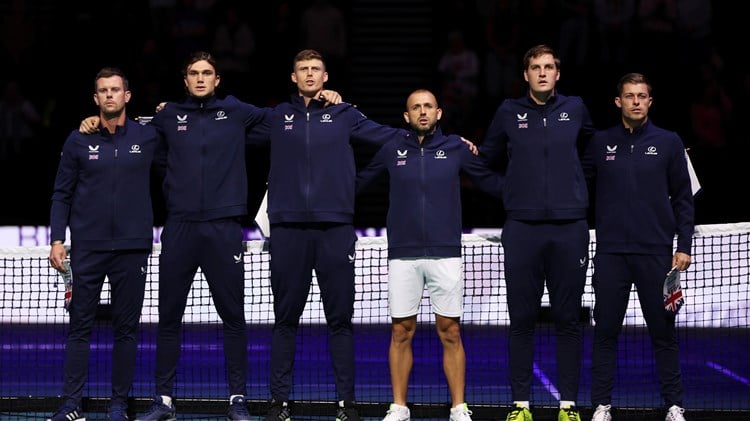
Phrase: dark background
[52,50]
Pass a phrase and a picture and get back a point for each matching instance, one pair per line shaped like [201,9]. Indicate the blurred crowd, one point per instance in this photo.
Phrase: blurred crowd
[51,51]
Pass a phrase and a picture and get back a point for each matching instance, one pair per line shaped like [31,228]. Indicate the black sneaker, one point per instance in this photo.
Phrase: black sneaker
[278,411]
[68,412]
[238,410]
[345,411]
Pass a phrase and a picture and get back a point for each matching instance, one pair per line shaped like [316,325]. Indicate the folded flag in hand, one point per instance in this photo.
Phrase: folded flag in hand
[67,278]
[673,298]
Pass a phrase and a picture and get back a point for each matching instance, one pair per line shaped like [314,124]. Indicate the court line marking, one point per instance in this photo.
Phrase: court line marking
[728,372]
[546,382]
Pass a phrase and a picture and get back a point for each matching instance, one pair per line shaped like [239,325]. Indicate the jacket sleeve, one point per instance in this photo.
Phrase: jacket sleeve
[368,131]
[481,175]
[681,197]
[63,190]
[588,163]
[494,148]
[159,165]
[376,168]
[587,130]
[253,117]
[259,134]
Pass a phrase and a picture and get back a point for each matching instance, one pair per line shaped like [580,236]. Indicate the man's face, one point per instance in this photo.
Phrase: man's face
[422,112]
[111,95]
[542,74]
[309,75]
[634,101]
[201,79]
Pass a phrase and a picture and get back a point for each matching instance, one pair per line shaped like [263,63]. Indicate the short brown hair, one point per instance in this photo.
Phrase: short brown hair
[199,56]
[537,51]
[106,72]
[633,78]
[308,54]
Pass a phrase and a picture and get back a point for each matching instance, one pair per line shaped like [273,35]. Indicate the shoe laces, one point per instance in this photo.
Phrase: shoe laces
[461,413]
[572,413]
[397,413]
[675,413]
[515,413]
[602,413]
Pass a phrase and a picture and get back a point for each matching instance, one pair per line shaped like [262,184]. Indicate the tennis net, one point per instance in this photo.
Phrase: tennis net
[713,328]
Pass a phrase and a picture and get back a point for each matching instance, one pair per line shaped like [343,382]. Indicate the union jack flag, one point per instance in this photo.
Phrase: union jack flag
[67,278]
[672,292]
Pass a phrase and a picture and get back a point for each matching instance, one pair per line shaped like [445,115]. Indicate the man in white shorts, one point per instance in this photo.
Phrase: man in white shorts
[424,241]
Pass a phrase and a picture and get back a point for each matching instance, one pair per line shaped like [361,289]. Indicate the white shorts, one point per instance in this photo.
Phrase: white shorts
[443,277]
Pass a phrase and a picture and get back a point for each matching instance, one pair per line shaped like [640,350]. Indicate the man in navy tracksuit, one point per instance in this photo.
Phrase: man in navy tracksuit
[424,241]
[537,139]
[311,211]
[205,188]
[102,192]
[643,197]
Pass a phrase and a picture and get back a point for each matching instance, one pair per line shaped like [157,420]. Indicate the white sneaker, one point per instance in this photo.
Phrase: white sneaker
[602,413]
[397,412]
[674,413]
[460,413]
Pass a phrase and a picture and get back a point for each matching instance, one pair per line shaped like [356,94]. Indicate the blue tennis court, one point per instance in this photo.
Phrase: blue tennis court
[715,377]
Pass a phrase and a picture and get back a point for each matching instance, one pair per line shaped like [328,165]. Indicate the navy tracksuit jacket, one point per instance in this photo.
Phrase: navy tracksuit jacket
[205,188]
[643,198]
[102,192]
[545,236]
[311,210]
[424,213]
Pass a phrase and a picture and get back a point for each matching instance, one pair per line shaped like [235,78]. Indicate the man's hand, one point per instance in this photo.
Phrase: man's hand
[681,261]
[161,106]
[330,97]
[57,254]
[89,125]
[472,147]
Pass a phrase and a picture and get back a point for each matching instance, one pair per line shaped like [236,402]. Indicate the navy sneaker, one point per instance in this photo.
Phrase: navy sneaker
[238,410]
[159,412]
[68,412]
[118,411]
[278,411]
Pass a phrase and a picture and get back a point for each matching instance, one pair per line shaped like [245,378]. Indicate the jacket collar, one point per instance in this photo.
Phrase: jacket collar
[297,100]
[428,139]
[201,102]
[638,130]
[550,101]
